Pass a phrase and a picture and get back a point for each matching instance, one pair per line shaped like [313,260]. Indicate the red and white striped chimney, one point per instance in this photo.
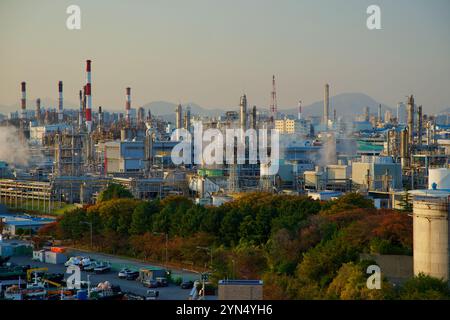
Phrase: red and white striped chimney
[60,102]
[88,97]
[23,112]
[128,106]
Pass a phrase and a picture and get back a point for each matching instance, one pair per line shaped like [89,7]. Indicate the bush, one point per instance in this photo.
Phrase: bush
[177,281]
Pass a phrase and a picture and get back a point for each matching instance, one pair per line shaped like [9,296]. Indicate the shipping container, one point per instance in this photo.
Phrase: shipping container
[55,257]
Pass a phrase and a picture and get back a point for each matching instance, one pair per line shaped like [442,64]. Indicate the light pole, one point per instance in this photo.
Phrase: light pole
[90,225]
[167,242]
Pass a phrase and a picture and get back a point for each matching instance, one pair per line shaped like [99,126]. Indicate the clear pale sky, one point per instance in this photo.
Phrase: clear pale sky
[210,51]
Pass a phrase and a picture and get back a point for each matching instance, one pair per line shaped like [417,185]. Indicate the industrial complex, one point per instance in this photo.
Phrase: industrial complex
[75,154]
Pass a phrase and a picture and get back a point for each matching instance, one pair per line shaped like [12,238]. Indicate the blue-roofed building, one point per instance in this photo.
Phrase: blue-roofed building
[12,223]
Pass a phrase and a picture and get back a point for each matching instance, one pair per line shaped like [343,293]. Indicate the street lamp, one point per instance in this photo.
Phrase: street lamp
[90,225]
[167,241]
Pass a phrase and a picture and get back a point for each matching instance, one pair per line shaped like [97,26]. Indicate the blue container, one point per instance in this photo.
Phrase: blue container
[82,295]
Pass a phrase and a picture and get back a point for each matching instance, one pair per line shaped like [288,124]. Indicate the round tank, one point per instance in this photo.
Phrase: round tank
[440,177]
[430,233]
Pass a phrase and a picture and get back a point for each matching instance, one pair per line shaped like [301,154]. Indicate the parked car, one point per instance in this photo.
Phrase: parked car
[187,285]
[102,268]
[91,267]
[123,273]
[150,283]
[152,294]
[162,282]
[132,275]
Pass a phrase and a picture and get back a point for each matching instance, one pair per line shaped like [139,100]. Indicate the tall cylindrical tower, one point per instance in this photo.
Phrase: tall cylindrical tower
[243,112]
[128,106]
[23,111]
[38,110]
[419,125]
[60,101]
[88,97]
[80,112]
[411,119]
[326,105]
[431,233]
[179,117]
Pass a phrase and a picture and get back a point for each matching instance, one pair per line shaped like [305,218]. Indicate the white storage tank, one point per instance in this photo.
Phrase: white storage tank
[439,177]
[431,233]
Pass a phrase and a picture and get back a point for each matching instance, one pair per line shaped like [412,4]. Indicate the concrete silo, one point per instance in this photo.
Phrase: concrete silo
[431,232]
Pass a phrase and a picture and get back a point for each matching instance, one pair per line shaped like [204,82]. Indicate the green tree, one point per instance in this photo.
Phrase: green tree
[114,191]
[350,283]
[423,287]
[141,219]
[405,202]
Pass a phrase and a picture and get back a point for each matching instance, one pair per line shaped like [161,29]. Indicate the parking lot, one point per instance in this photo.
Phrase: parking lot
[171,292]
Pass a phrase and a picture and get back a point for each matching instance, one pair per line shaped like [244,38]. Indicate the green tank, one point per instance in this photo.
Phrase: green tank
[210,172]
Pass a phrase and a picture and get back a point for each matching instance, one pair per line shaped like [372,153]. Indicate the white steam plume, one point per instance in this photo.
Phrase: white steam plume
[12,149]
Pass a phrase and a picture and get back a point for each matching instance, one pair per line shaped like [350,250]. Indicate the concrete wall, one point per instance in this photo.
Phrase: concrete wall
[395,268]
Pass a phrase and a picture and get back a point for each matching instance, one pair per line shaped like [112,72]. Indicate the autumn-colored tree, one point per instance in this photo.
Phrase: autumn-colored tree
[350,283]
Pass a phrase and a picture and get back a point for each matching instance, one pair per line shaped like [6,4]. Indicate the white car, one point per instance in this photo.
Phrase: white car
[123,273]
[73,261]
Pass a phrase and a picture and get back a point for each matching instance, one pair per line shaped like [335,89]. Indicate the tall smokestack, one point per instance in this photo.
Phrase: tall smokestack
[23,112]
[60,102]
[128,106]
[274,103]
[80,112]
[187,119]
[141,116]
[88,97]
[379,114]
[326,105]
[419,126]
[299,110]
[179,116]
[254,118]
[100,118]
[38,110]
[366,114]
[243,113]
[411,119]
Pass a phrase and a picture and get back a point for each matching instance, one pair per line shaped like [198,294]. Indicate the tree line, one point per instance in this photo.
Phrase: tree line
[301,248]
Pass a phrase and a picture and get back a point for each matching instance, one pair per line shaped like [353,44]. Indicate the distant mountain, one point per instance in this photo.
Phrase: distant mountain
[166,110]
[347,105]
[31,105]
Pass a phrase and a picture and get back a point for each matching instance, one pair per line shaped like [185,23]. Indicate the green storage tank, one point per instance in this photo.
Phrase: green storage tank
[210,172]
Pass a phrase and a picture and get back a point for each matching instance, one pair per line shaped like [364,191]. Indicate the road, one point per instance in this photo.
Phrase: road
[171,292]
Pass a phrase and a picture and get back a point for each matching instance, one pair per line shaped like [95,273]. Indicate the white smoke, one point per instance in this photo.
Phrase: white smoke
[328,151]
[13,150]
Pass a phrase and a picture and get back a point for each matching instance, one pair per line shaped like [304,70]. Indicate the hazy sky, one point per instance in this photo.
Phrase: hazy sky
[210,51]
